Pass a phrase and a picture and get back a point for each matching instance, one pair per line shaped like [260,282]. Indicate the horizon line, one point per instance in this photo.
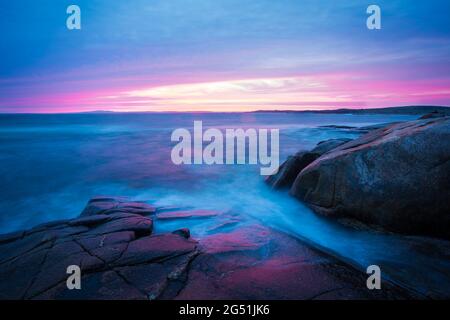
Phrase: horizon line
[224,111]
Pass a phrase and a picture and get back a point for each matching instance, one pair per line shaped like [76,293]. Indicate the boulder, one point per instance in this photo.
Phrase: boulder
[289,170]
[397,177]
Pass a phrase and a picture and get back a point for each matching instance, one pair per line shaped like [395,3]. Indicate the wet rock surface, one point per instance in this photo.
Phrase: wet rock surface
[255,262]
[122,257]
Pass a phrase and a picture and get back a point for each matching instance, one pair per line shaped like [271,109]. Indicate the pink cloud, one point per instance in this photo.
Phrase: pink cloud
[300,92]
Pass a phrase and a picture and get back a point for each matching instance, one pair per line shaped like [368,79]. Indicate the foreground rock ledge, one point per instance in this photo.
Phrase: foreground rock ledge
[122,258]
[397,177]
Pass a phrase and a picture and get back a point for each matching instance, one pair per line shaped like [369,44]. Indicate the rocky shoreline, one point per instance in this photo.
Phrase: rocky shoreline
[121,257]
[394,180]
[395,177]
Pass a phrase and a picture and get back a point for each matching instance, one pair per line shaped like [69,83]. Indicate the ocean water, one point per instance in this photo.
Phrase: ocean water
[50,165]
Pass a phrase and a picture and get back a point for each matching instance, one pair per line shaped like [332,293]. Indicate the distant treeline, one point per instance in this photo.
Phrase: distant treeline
[413,110]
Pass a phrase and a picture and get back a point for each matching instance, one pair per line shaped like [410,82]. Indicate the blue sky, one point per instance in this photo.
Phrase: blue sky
[228,54]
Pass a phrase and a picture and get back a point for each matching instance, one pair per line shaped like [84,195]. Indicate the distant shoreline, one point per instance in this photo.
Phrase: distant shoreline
[407,110]
[403,110]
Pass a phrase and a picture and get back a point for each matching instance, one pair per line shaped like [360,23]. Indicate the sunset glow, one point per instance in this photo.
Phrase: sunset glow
[249,56]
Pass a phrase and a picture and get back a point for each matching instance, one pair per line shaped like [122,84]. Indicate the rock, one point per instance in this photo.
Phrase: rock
[397,177]
[90,220]
[372,127]
[140,225]
[333,126]
[289,170]
[8,237]
[432,115]
[255,262]
[121,258]
[109,205]
[328,145]
[184,232]
[186,214]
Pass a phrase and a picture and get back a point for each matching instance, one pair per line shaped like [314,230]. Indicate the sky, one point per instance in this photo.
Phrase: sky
[222,55]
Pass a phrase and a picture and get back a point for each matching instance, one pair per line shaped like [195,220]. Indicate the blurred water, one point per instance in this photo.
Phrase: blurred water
[50,165]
